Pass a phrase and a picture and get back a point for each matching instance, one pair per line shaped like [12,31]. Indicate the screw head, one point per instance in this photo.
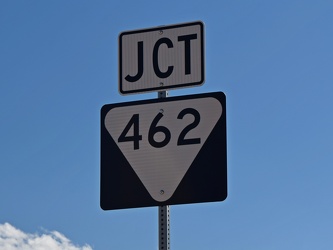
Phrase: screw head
[162,192]
[160,32]
[161,111]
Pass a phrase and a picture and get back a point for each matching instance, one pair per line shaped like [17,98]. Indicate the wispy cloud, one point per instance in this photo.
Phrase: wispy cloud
[12,238]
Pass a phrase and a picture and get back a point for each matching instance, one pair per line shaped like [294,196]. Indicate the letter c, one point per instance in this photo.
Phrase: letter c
[157,70]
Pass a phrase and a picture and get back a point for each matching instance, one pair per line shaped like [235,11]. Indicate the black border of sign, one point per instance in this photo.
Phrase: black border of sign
[205,181]
[200,23]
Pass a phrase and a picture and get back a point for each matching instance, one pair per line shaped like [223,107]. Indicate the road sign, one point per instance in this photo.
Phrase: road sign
[161,58]
[164,151]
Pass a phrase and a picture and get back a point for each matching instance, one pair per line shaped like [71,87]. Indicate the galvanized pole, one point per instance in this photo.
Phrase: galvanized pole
[163,212]
[164,227]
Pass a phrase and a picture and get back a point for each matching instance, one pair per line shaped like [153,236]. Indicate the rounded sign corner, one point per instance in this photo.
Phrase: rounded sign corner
[104,108]
[122,92]
[201,23]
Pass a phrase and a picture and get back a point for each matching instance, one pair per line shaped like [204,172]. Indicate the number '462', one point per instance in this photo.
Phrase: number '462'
[135,136]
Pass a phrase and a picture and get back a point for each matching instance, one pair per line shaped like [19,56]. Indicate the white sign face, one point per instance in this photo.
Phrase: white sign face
[161,140]
[161,58]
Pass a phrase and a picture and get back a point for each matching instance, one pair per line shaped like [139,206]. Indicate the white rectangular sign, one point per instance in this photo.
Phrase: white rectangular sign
[161,58]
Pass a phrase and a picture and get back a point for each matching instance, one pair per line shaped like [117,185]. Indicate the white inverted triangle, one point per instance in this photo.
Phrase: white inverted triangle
[162,169]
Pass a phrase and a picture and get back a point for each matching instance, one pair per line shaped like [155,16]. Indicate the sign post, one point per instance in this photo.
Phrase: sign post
[164,227]
[163,212]
[163,151]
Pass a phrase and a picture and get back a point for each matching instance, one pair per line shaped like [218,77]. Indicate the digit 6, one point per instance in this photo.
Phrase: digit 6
[158,129]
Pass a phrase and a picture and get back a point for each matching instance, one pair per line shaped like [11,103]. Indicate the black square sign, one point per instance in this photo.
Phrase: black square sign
[164,151]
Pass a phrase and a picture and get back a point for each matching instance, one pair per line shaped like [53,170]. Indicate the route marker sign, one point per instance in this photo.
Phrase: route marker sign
[164,151]
[161,58]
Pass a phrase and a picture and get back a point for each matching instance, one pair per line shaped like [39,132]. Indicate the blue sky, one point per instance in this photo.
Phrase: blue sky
[272,59]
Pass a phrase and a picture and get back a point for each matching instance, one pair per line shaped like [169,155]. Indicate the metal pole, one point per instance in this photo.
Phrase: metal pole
[163,94]
[164,227]
[163,212]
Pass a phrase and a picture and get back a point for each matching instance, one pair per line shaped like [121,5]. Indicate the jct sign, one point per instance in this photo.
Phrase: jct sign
[161,58]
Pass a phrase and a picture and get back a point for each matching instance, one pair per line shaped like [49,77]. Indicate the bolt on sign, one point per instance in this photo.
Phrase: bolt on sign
[161,58]
[164,151]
